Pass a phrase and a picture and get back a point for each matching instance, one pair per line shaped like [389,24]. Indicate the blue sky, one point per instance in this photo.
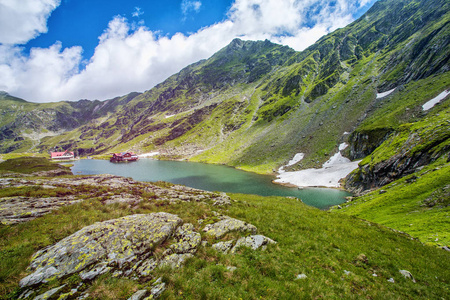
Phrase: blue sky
[53,50]
[81,22]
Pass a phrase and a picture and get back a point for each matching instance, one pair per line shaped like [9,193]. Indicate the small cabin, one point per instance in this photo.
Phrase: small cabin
[66,155]
[123,156]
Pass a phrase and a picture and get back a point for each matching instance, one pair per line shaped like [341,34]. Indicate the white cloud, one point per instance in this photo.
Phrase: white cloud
[43,75]
[130,58]
[190,6]
[23,20]
[137,12]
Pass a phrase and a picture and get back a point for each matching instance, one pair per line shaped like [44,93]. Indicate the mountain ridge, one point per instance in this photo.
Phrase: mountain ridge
[276,102]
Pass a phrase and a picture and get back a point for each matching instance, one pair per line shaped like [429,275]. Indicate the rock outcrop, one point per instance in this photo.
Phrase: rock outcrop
[133,247]
[117,189]
[97,248]
[21,209]
[364,142]
[254,242]
[409,148]
[221,228]
[228,225]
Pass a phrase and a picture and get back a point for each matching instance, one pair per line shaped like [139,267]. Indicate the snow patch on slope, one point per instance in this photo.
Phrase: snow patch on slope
[332,171]
[382,95]
[435,100]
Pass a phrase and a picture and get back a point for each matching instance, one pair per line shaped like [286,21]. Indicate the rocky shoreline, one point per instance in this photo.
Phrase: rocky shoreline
[116,189]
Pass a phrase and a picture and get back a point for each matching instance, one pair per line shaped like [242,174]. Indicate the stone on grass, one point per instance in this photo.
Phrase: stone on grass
[139,295]
[301,276]
[115,242]
[49,294]
[407,274]
[26,294]
[223,247]
[222,199]
[227,225]
[362,258]
[158,288]
[231,269]
[254,242]
[175,261]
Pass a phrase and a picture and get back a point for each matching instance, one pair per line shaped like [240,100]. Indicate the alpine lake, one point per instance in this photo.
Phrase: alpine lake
[210,178]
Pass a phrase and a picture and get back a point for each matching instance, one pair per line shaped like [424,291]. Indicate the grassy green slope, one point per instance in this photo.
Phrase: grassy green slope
[27,165]
[26,126]
[417,204]
[410,174]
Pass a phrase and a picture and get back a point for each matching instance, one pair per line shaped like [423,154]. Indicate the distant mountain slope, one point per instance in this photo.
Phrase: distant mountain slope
[23,125]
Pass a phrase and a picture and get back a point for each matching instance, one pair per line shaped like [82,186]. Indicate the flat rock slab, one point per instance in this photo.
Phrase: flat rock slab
[114,242]
[18,209]
[15,210]
[254,242]
[221,228]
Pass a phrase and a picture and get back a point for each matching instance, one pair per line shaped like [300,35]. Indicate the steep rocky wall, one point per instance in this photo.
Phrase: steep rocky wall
[402,153]
[363,143]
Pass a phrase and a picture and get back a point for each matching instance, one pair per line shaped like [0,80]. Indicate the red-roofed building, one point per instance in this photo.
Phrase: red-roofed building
[123,156]
[62,155]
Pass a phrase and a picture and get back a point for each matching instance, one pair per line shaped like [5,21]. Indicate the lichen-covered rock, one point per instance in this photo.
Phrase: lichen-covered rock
[221,228]
[187,240]
[68,295]
[115,242]
[146,267]
[49,294]
[94,272]
[223,247]
[175,261]
[158,288]
[139,295]
[124,198]
[15,210]
[222,199]
[254,242]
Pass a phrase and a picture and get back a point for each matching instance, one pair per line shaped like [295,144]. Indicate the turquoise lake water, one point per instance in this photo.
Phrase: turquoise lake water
[210,178]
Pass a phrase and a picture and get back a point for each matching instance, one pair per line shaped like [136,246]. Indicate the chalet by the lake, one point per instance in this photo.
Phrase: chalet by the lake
[123,157]
[66,155]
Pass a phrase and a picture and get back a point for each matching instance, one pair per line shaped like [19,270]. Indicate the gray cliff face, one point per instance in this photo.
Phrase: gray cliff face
[372,177]
[402,153]
[363,143]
